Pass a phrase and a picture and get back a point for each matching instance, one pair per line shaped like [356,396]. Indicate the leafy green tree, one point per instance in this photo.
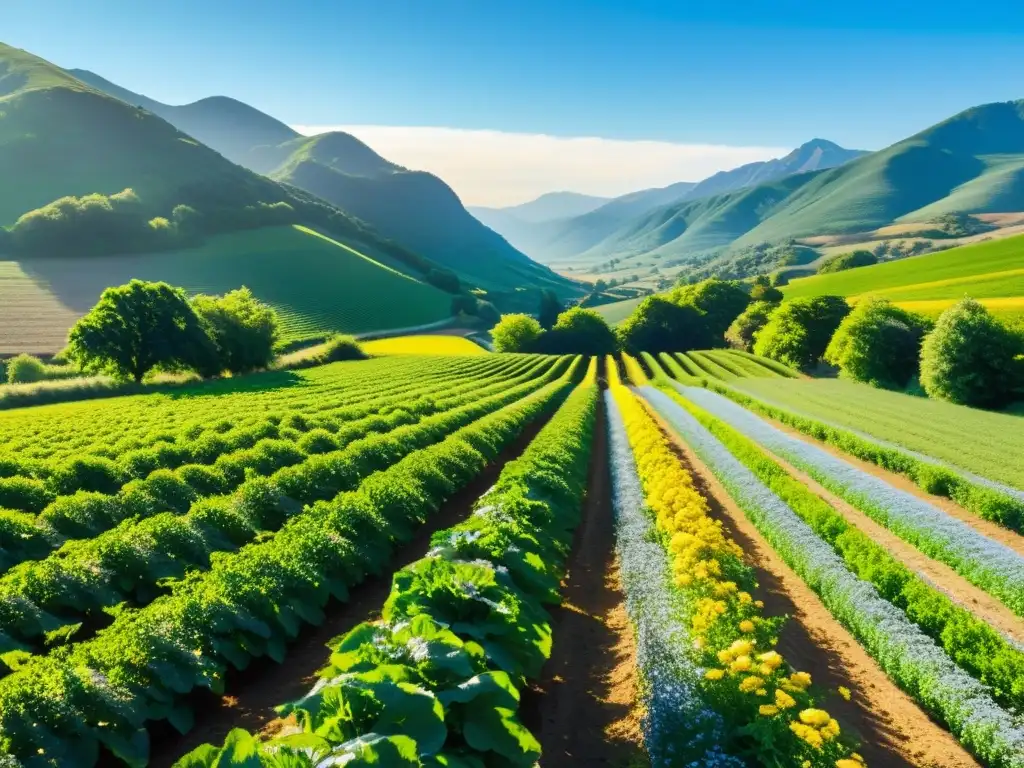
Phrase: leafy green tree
[25,369]
[763,290]
[661,325]
[720,301]
[744,329]
[137,327]
[971,358]
[579,332]
[878,343]
[851,260]
[516,333]
[444,279]
[798,332]
[243,329]
[550,307]
[779,280]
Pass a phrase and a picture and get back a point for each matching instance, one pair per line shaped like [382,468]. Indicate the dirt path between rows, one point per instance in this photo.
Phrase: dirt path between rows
[893,731]
[977,601]
[584,708]
[994,531]
[251,695]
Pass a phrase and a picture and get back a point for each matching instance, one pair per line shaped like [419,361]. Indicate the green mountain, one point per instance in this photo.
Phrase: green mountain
[413,208]
[971,163]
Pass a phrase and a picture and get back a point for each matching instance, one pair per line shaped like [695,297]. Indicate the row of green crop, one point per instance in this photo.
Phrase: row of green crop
[895,638]
[988,503]
[128,562]
[60,708]
[115,429]
[437,681]
[103,493]
[970,642]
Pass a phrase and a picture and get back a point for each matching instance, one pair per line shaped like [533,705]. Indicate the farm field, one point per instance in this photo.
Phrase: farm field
[337,289]
[991,271]
[426,344]
[479,541]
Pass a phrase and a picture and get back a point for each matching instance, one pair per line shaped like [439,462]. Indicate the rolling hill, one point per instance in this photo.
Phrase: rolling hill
[645,221]
[316,283]
[547,207]
[415,209]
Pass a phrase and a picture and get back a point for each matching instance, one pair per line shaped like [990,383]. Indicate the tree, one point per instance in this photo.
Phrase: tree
[579,332]
[970,358]
[549,309]
[744,329]
[798,331]
[779,280]
[487,313]
[136,327]
[763,290]
[878,343]
[243,329]
[720,301]
[844,261]
[464,304]
[516,333]
[444,279]
[660,325]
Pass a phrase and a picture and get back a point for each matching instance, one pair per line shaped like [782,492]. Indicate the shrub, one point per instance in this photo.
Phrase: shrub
[578,332]
[243,329]
[970,358]
[660,325]
[515,333]
[139,326]
[878,343]
[720,301]
[25,369]
[87,473]
[763,290]
[850,260]
[24,494]
[798,331]
[744,329]
[340,347]
[444,279]
[549,310]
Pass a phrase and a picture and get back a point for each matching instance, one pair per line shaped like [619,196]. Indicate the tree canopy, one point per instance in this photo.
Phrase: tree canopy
[798,332]
[744,329]
[971,358]
[661,325]
[137,327]
[579,332]
[878,343]
[549,309]
[720,301]
[850,260]
[515,333]
[243,329]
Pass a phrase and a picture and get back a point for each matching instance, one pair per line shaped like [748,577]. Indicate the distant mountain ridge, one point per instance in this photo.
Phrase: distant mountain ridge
[414,208]
[560,240]
[547,207]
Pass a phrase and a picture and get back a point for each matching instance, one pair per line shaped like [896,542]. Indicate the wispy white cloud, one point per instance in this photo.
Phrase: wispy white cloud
[497,168]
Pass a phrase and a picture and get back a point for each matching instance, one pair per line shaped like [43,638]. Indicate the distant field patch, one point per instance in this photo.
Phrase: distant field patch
[423,345]
[1006,308]
[316,283]
[979,441]
[948,273]
[618,311]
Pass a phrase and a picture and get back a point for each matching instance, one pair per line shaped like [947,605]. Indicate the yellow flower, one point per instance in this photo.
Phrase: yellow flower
[830,730]
[807,734]
[771,659]
[768,710]
[741,647]
[783,700]
[759,603]
[761,691]
[857,757]
[746,626]
[715,674]
[750,684]
[815,717]
[805,764]
[844,763]
[798,681]
[744,597]
[844,692]
[741,664]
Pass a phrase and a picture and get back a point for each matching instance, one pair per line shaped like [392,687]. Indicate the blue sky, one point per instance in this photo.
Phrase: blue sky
[746,73]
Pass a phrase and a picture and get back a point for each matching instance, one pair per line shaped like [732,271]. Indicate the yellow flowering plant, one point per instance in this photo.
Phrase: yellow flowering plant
[768,707]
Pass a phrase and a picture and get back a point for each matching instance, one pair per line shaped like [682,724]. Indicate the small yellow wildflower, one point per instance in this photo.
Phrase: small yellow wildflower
[783,700]
[746,626]
[808,734]
[744,597]
[815,717]
[740,664]
[715,674]
[844,763]
[844,692]
[761,691]
[750,684]
[769,710]
[771,659]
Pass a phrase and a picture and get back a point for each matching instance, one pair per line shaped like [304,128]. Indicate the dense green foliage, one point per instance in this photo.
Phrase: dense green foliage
[972,359]
[516,333]
[878,343]
[578,331]
[243,329]
[744,329]
[25,369]
[139,326]
[719,301]
[849,260]
[661,325]
[762,289]
[799,331]
[549,310]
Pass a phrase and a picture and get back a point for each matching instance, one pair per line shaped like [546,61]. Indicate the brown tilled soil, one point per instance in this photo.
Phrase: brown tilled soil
[992,530]
[980,603]
[584,708]
[893,731]
[251,695]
